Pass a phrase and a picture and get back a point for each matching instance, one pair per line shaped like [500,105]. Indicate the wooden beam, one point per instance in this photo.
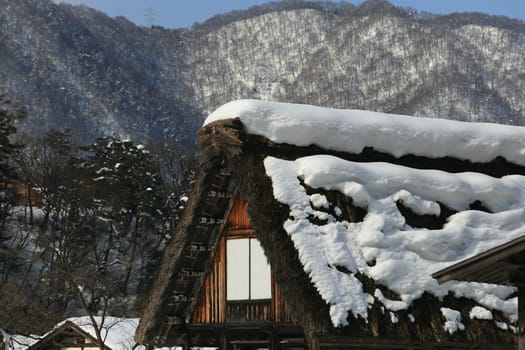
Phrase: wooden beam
[521,316]
[240,233]
[225,343]
[348,342]
[274,341]
[313,343]
[250,341]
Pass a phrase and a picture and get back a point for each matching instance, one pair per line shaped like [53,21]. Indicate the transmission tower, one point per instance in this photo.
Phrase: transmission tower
[150,15]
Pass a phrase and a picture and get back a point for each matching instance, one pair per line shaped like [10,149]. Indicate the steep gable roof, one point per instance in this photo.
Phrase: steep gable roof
[355,210]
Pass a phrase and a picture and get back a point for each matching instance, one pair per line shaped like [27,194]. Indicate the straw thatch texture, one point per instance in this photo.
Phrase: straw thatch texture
[160,314]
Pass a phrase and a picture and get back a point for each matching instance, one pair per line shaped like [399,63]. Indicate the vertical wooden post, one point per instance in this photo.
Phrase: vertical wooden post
[225,341]
[274,341]
[521,315]
[222,280]
[186,342]
[313,343]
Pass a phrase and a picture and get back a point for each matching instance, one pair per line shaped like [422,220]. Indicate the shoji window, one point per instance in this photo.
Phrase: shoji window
[248,274]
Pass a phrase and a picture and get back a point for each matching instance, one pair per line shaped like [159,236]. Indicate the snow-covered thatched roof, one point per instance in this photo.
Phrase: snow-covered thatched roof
[117,333]
[361,208]
[354,130]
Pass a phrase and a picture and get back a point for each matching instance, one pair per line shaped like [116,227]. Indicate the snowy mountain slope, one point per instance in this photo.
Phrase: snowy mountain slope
[384,62]
[73,66]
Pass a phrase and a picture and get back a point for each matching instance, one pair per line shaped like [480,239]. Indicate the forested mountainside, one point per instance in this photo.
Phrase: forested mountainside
[73,66]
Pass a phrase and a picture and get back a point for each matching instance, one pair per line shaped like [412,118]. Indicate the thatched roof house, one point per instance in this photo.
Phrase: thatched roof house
[354,211]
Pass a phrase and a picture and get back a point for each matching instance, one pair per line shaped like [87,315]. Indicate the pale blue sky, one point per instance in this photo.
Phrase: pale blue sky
[183,13]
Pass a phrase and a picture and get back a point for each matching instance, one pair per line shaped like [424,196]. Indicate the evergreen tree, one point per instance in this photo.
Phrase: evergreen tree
[122,182]
[8,117]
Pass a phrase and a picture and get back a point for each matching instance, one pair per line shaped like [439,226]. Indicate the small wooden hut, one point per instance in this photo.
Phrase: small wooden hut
[353,211]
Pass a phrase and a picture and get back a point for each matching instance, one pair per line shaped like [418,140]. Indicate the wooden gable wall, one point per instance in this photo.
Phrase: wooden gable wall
[212,306]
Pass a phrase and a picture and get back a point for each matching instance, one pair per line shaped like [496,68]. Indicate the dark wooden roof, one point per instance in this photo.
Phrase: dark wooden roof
[504,264]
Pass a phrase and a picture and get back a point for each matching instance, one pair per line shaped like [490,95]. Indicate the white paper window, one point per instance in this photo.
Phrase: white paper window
[248,274]
[237,269]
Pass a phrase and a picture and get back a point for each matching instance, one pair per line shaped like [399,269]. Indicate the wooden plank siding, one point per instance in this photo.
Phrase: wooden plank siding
[212,306]
[238,217]
[280,311]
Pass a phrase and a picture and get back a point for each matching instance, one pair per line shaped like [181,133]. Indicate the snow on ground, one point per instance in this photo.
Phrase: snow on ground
[352,130]
[383,246]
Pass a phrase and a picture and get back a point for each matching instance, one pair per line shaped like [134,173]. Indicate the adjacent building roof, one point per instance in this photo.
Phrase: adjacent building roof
[504,264]
[355,210]
[67,334]
[116,332]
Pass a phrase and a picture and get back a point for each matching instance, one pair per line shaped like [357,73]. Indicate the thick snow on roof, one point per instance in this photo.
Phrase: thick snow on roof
[383,246]
[352,130]
[18,342]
